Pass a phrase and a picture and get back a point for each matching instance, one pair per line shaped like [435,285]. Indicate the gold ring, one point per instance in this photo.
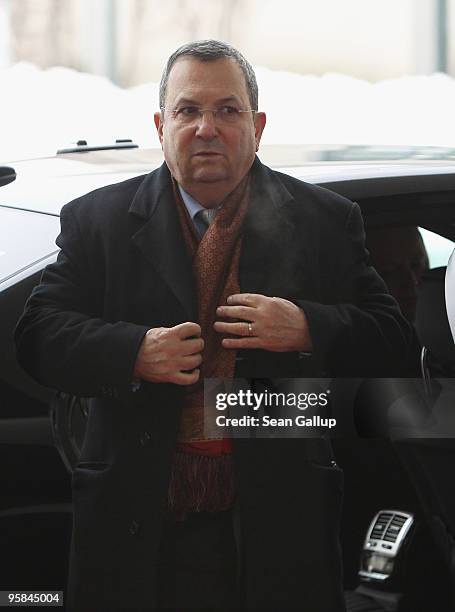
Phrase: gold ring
[250,329]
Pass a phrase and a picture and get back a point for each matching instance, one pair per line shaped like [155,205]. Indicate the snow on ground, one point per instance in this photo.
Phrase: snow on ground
[43,110]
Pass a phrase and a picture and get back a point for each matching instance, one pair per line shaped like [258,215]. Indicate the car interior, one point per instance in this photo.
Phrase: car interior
[408,431]
[398,528]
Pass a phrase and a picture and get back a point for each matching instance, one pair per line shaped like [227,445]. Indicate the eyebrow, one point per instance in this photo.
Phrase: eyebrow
[193,102]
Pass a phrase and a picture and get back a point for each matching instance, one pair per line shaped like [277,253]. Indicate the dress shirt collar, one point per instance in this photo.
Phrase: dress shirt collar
[192,206]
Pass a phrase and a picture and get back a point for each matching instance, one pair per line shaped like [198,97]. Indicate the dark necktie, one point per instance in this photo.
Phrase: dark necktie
[205,218]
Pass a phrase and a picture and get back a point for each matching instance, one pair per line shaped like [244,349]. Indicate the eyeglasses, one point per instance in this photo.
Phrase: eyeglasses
[223,115]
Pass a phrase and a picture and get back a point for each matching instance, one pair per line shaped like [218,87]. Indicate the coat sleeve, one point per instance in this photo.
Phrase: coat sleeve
[364,334]
[61,339]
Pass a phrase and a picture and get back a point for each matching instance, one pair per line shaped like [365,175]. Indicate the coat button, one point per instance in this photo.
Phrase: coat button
[146,438]
[134,528]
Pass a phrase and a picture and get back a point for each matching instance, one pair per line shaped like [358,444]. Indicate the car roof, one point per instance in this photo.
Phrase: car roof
[30,206]
[45,185]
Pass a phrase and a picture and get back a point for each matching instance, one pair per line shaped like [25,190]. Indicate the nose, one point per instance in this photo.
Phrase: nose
[206,125]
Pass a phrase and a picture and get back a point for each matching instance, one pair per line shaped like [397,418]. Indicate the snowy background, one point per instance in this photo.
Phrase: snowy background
[46,109]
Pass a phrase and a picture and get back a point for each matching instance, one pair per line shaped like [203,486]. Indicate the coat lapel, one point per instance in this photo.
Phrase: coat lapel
[160,238]
[268,246]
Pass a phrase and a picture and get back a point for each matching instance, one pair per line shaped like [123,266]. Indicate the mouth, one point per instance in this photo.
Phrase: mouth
[206,154]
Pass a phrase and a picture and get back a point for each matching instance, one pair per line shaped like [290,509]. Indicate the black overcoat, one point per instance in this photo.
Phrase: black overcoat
[123,269]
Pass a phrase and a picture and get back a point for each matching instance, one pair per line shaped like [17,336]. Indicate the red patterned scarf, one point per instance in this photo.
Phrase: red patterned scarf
[202,475]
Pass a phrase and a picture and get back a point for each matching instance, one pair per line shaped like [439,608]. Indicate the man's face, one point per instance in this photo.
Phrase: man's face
[208,156]
[400,257]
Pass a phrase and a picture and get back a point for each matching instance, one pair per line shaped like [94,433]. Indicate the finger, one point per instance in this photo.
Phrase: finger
[190,362]
[236,329]
[190,346]
[240,343]
[187,330]
[245,299]
[186,378]
[237,312]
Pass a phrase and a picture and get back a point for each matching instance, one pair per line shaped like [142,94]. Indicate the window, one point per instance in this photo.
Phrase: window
[439,249]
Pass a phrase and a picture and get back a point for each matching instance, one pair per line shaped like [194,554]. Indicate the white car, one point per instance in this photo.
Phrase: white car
[384,479]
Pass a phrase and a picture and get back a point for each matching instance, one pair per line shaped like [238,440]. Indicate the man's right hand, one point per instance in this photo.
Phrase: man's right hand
[170,354]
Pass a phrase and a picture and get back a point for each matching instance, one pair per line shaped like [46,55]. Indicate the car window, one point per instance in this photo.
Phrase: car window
[439,249]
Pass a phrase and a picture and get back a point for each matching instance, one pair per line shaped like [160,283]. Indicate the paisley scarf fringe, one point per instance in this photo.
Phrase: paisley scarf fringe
[200,483]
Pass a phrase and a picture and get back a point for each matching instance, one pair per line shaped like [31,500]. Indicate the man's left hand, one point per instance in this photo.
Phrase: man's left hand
[268,323]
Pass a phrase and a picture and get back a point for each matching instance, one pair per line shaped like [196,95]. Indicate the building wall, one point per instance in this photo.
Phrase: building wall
[370,39]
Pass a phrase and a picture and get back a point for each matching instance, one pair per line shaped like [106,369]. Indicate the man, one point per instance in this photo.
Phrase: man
[166,516]
[399,255]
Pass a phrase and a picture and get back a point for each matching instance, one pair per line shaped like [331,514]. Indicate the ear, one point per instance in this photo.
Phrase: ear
[159,126]
[259,125]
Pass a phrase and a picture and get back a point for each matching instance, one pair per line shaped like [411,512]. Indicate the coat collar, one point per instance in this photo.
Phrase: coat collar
[267,236]
[160,238]
[156,188]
